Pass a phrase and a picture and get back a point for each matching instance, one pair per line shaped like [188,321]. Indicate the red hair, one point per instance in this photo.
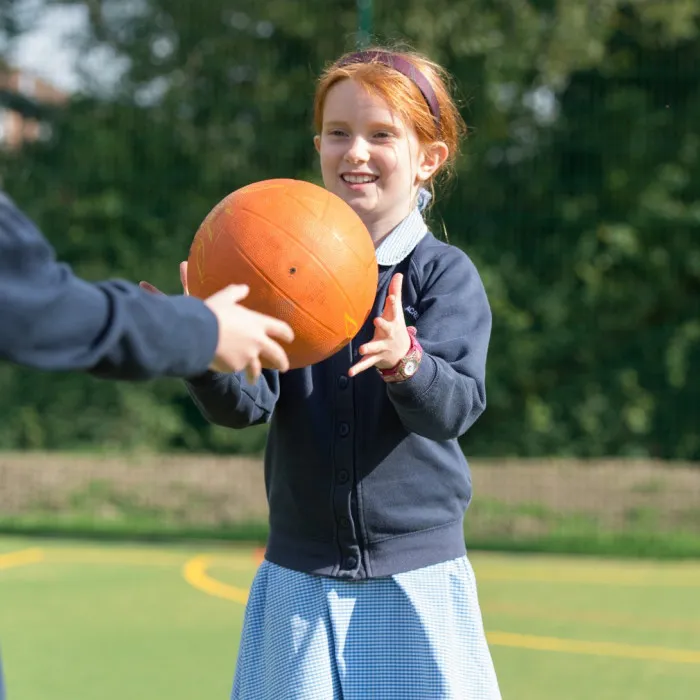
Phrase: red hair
[403,96]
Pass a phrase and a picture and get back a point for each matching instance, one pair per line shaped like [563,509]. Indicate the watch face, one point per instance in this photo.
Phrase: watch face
[409,368]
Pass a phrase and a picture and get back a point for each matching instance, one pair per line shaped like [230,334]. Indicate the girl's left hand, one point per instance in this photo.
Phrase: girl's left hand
[391,341]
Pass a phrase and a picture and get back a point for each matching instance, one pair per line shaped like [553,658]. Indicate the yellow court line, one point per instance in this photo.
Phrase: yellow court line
[136,557]
[113,560]
[118,551]
[146,557]
[234,553]
[79,555]
[21,558]
[575,646]
[600,578]
[195,573]
[626,621]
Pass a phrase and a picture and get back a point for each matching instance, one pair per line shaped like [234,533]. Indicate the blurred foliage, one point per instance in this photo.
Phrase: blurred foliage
[578,196]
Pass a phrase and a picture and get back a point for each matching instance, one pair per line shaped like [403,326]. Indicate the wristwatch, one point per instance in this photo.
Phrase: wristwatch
[407,366]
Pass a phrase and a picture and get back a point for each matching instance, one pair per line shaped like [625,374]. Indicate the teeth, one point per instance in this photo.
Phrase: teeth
[359,179]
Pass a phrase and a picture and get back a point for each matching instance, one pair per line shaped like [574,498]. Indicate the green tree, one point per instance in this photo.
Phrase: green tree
[576,196]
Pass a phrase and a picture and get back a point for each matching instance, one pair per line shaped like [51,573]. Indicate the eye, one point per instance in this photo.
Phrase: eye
[338,133]
[383,135]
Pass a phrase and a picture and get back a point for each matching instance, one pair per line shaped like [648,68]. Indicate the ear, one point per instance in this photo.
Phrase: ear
[317,142]
[432,158]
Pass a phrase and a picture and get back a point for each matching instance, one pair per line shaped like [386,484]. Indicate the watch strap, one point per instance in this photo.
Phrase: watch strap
[407,366]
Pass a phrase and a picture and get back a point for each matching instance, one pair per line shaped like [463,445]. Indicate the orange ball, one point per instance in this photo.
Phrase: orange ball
[305,254]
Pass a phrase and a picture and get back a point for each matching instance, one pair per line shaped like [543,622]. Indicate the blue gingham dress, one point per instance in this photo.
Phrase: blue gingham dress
[417,635]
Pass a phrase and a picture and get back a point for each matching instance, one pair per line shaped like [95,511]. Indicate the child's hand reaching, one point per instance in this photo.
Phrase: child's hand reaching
[246,338]
[391,340]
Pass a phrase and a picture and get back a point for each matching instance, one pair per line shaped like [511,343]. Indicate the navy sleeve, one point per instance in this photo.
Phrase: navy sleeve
[52,320]
[230,401]
[448,392]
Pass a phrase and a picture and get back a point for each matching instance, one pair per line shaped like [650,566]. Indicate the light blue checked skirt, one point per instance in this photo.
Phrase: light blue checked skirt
[413,636]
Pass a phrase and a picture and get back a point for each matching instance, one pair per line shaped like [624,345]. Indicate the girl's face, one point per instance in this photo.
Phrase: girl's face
[371,158]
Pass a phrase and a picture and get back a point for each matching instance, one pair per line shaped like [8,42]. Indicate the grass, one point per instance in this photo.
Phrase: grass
[565,540]
[611,508]
[108,621]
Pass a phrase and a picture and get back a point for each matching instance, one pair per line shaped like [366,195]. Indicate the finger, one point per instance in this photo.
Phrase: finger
[389,308]
[373,347]
[279,329]
[398,311]
[275,355]
[183,276]
[219,366]
[253,370]
[395,286]
[383,325]
[147,286]
[363,364]
[234,293]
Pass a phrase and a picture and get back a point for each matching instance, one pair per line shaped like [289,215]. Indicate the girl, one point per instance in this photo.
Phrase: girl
[366,590]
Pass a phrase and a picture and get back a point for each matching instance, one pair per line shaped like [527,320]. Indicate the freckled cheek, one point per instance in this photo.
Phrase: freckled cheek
[329,166]
[388,161]
[331,158]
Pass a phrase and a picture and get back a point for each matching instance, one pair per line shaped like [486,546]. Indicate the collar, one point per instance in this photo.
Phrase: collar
[405,236]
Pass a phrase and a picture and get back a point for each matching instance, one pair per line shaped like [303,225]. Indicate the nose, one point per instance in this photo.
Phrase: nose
[357,152]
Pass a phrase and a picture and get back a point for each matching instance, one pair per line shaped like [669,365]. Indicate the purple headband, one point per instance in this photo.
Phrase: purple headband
[402,66]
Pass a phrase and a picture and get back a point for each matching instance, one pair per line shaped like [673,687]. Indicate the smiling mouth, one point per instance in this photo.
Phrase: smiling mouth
[359,179]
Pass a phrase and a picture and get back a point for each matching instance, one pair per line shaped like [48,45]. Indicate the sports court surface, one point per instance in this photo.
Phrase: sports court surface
[111,621]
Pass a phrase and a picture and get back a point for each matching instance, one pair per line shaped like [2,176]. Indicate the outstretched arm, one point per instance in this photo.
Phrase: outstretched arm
[50,319]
